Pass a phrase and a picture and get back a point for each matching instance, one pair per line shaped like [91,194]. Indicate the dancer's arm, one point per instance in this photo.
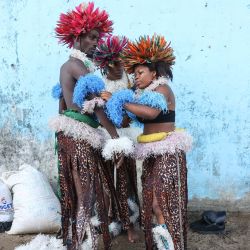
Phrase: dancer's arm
[142,111]
[70,72]
[106,123]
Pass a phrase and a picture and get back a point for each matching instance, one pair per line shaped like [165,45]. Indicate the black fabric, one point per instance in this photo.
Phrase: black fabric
[168,116]
[5,226]
[212,217]
[211,223]
[202,227]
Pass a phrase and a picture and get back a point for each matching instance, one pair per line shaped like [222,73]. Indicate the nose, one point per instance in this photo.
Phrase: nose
[136,78]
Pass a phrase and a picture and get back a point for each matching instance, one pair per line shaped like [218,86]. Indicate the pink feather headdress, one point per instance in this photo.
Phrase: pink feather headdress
[109,50]
[82,20]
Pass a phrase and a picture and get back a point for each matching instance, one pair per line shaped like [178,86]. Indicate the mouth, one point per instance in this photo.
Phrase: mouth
[137,83]
[91,51]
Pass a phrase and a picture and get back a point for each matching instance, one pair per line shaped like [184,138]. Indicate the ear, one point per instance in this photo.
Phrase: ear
[77,43]
[154,74]
[111,65]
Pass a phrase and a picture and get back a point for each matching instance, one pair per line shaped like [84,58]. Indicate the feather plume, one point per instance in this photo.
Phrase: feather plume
[114,106]
[88,84]
[82,19]
[153,99]
[147,50]
[162,234]
[177,140]
[109,50]
[57,91]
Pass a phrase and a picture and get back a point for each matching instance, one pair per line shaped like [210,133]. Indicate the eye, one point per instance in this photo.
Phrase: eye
[92,37]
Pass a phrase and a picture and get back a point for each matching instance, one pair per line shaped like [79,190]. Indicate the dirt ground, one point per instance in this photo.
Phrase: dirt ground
[236,237]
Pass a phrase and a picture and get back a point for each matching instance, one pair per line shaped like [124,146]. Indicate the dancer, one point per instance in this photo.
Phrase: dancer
[79,142]
[162,147]
[107,58]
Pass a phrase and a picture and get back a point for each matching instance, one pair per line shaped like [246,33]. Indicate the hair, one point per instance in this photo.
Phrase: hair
[161,68]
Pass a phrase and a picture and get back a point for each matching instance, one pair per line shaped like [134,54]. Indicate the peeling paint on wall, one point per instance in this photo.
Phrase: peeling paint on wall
[17,149]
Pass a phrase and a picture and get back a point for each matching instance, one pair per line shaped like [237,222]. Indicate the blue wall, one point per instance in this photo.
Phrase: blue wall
[211,76]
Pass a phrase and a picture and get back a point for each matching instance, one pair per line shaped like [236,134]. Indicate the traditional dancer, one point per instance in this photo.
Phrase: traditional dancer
[162,147]
[79,142]
[107,58]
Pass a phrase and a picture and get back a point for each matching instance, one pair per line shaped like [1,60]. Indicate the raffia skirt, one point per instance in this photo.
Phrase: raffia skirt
[124,199]
[81,216]
[164,173]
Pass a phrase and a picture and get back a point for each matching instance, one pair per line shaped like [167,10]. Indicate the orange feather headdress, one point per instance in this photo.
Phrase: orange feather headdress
[82,20]
[147,50]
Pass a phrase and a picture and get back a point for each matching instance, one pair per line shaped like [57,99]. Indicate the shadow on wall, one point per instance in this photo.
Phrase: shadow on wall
[231,205]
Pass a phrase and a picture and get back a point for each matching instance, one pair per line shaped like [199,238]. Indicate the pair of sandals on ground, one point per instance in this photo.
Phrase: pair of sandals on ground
[211,222]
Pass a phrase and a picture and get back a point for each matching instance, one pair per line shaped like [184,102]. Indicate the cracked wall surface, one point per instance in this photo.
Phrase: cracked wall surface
[211,84]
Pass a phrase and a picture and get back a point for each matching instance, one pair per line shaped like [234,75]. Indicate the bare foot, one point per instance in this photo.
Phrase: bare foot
[132,235]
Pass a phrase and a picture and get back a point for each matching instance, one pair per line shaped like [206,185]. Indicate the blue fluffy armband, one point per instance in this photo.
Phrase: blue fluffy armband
[88,84]
[135,123]
[57,91]
[114,106]
[153,99]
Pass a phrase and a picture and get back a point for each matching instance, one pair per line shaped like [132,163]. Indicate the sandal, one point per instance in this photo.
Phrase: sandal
[211,223]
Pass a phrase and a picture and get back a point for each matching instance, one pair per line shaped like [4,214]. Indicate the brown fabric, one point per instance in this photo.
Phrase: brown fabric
[82,194]
[161,175]
[126,188]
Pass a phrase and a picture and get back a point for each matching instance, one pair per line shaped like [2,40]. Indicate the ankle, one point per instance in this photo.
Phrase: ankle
[162,225]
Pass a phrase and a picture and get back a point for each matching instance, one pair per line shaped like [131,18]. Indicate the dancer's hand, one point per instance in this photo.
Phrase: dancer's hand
[126,121]
[118,159]
[105,95]
[90,96]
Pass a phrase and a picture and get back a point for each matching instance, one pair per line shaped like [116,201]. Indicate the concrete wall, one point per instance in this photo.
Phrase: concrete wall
[211,83]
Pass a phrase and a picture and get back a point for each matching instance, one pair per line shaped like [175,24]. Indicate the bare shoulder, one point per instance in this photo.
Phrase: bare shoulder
[168,93]
[75,68]
[64,67]
[163,89]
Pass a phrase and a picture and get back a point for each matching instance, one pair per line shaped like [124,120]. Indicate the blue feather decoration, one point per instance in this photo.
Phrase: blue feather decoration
[57,91]
[153,99]
[114,106]
[88,84]
[136,123]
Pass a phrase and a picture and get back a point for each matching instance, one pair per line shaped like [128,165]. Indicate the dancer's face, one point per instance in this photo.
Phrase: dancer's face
[143,76]
[88,42]
[115,71]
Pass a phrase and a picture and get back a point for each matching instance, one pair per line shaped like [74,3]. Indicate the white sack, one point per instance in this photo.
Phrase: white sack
[36,208]
[6,207]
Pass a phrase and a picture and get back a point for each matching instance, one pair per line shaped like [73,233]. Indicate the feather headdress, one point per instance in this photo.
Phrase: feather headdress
[147,50]
[82,20]
[108,51]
